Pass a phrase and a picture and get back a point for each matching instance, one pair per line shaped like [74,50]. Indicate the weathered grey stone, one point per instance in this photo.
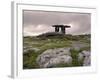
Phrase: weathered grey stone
[80,56]
[86,57]
[86,53]
[51,57]
[87,61]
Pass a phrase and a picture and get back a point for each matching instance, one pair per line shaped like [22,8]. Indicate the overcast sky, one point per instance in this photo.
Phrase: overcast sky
[37,22]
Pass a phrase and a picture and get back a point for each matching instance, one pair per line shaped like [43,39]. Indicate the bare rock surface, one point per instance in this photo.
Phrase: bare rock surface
[86,57]
[52,57]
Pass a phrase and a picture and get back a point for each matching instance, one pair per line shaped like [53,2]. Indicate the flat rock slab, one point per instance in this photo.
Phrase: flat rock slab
[52,57]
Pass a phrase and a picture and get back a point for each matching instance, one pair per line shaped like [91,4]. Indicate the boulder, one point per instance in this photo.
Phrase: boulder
[80,56]
[86,57]
[87,61]
[86,53]
[52,57]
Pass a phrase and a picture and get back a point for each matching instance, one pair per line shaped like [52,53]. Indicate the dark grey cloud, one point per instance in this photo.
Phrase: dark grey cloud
[36,22]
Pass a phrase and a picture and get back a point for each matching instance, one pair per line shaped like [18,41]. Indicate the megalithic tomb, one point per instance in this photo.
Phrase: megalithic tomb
[57,27]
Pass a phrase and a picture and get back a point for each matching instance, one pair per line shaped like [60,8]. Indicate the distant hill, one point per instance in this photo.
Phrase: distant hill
[67,36]
[57,35]
[49,34]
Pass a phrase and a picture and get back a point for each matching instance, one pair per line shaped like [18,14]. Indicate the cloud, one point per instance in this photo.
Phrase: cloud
[37,22]
[33,30]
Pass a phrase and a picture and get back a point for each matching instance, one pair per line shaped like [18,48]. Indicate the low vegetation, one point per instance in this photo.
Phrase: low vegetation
[44,42]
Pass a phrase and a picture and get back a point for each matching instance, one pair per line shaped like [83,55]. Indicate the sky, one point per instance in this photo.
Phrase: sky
[38,22]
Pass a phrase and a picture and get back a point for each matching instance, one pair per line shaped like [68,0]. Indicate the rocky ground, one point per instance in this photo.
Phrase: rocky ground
[48,51]
[62,57]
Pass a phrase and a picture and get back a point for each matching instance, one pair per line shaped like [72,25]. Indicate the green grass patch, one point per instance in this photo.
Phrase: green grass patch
[51,42]
[74,55]
[29,60]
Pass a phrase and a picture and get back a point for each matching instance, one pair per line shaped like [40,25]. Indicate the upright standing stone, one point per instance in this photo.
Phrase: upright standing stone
[63,29]
[56,29]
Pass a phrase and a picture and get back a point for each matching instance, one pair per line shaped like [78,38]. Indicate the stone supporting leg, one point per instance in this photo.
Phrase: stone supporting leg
[56,29]
[63,30]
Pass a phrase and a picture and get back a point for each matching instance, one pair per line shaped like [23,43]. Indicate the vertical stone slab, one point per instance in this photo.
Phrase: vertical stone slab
[56,29]
[63,29]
